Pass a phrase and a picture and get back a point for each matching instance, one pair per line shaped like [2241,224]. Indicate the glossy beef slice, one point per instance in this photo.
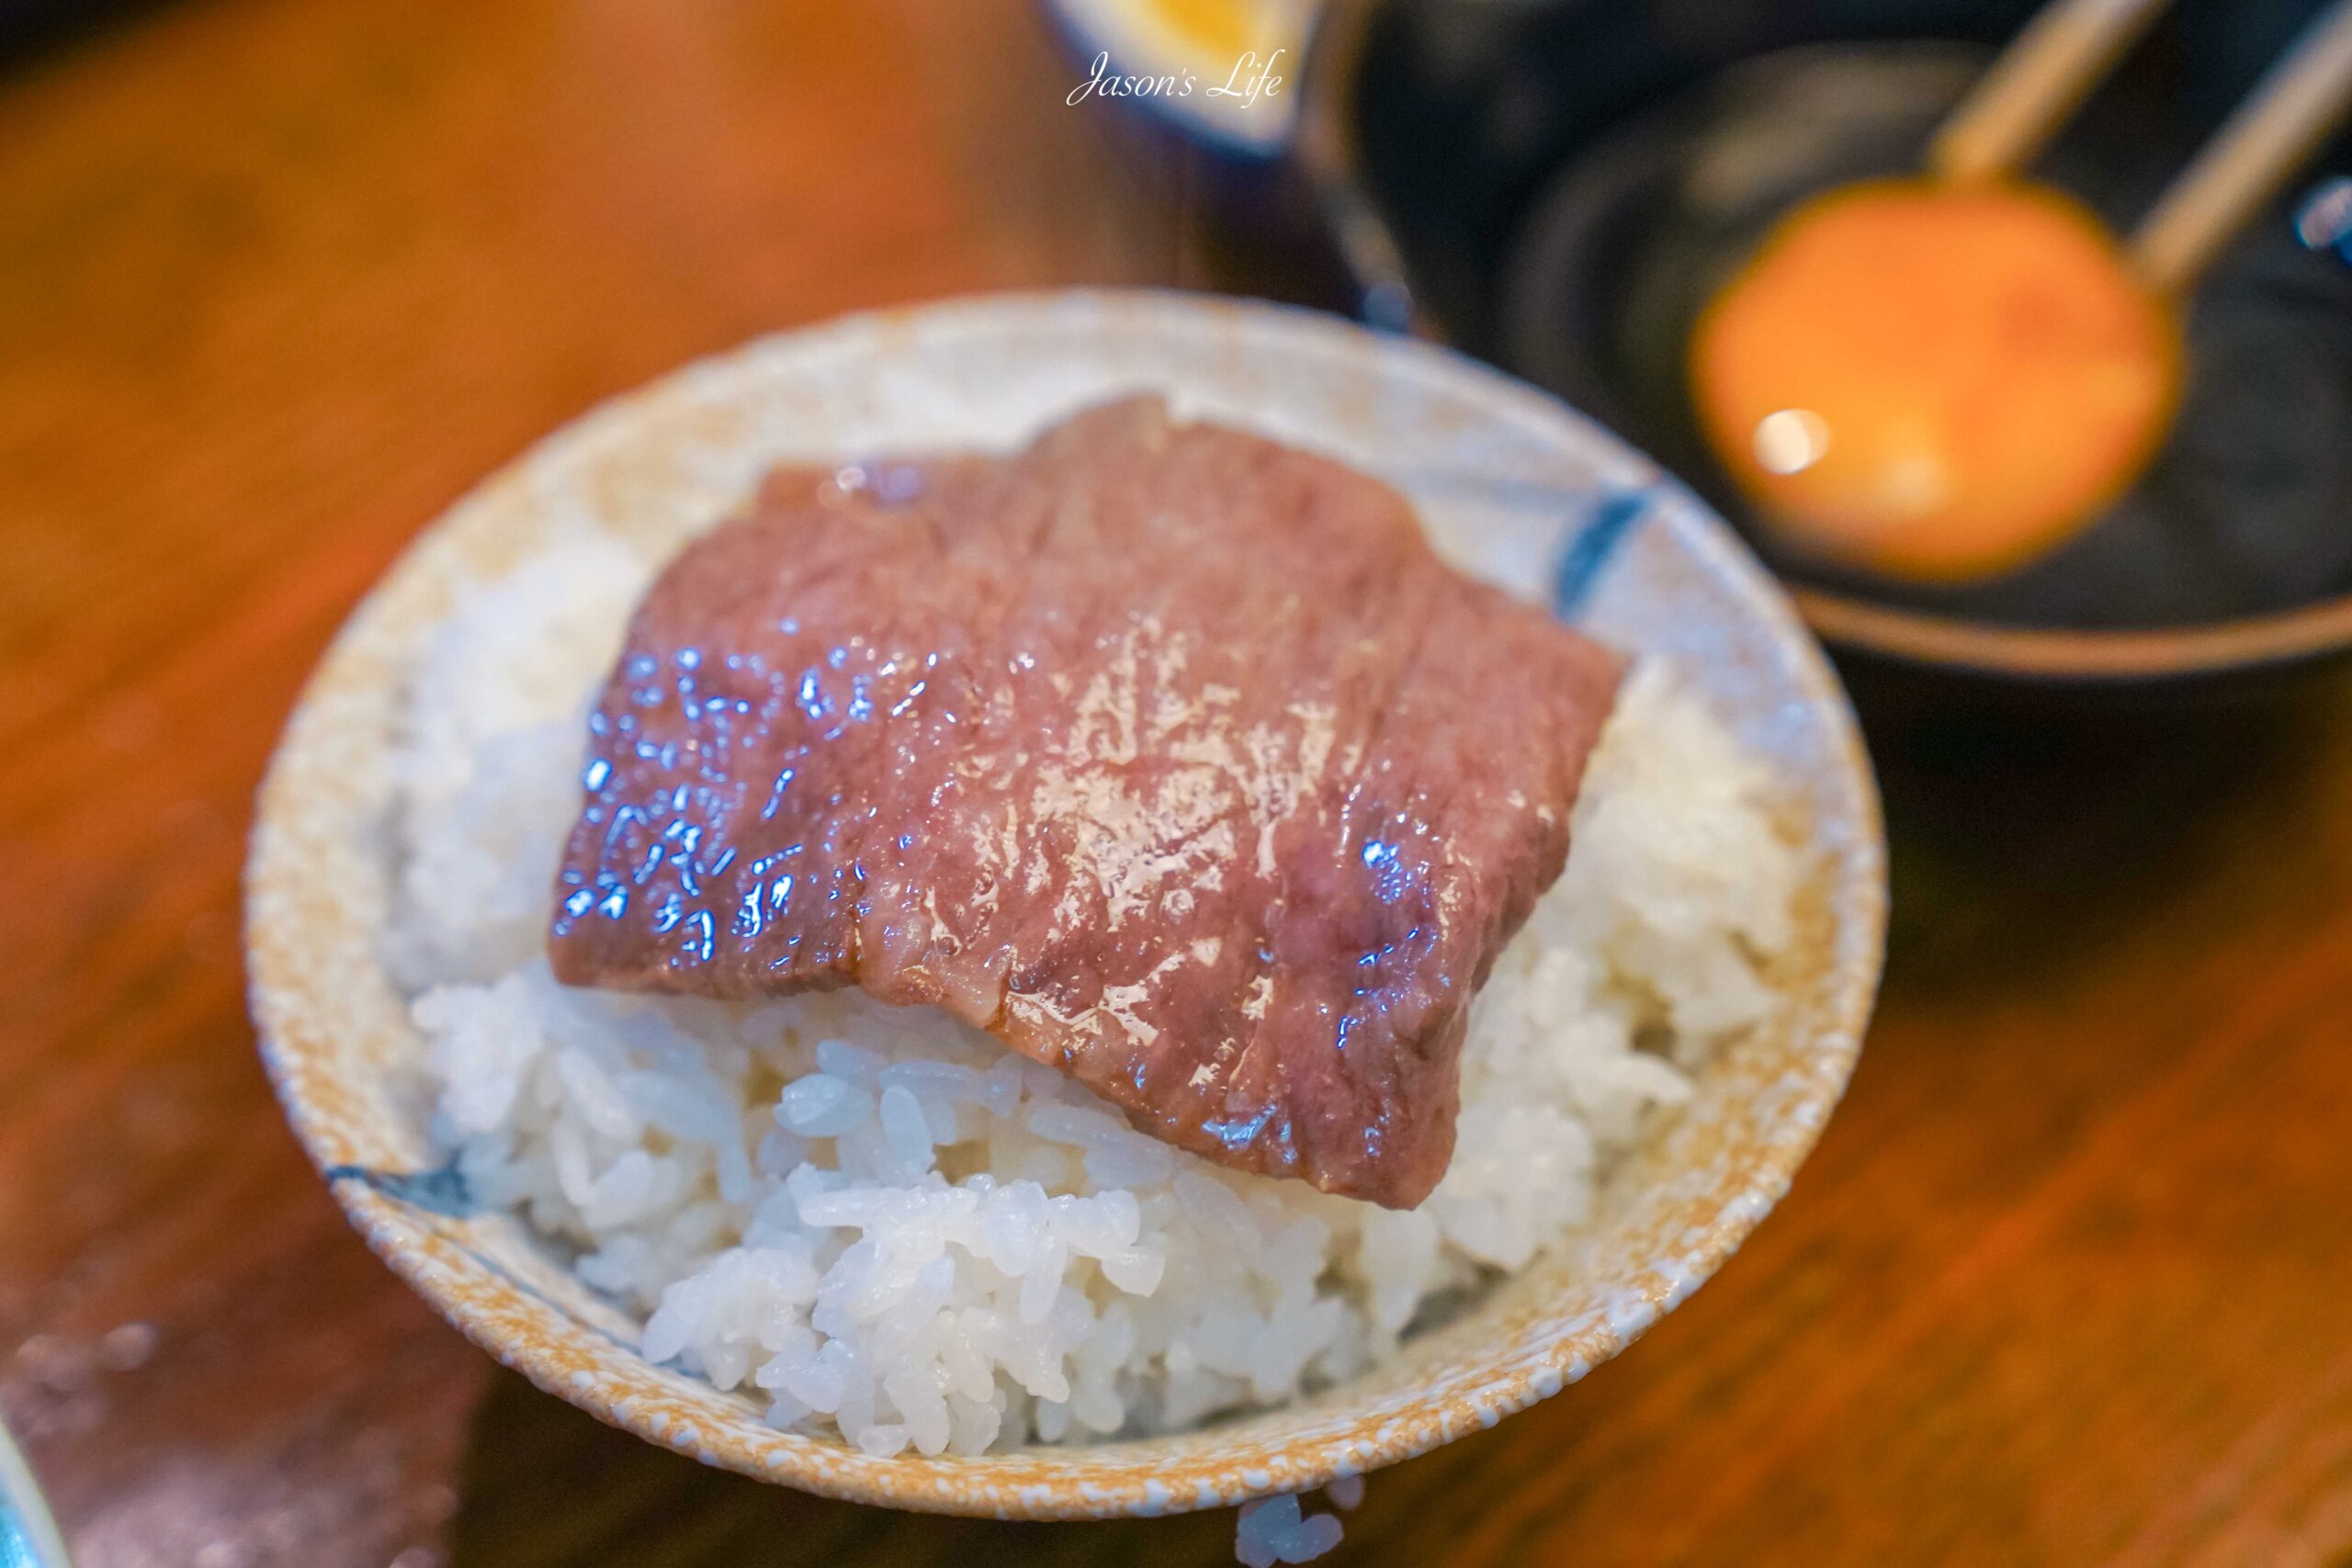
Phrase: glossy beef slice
[1169,755]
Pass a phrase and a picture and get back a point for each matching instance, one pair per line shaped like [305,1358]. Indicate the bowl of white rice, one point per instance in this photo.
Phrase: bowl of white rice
[867,1251]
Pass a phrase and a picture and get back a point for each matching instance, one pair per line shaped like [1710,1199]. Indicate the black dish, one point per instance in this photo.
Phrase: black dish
[1568,184]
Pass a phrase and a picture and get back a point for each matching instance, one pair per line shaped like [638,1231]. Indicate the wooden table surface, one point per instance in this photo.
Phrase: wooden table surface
[2068,1280]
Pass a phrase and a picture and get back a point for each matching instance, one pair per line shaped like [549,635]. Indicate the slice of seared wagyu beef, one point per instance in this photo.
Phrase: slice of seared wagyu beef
[1169,755]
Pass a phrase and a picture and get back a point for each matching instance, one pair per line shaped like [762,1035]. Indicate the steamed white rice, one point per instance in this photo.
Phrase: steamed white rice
[882,1223]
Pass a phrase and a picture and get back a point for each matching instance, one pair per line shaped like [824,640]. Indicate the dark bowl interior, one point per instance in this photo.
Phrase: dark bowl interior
[1569,183]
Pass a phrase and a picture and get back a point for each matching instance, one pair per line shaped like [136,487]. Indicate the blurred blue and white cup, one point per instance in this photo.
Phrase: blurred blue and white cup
[28,1537]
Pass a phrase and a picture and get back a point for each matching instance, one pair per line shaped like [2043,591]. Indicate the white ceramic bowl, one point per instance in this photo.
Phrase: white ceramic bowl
[1511,484]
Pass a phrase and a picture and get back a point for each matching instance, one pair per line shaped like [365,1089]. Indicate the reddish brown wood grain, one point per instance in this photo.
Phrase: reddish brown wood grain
[2069,1280]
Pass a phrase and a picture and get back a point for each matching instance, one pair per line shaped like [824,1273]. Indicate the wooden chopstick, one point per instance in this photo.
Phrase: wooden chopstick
[2289,112]
[2047,70]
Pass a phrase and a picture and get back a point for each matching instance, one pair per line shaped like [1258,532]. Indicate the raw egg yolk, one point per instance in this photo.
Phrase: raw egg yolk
[1934,381]
[1224,28]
